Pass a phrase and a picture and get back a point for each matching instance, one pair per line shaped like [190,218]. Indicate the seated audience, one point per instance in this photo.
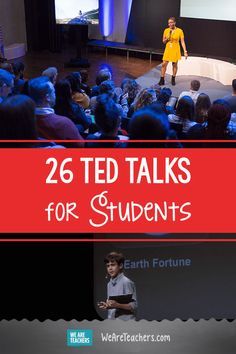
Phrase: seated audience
[6,84]
[49,124]
[78,95]
[193,92]
[108,119]
[183,119]
[202,107]
[65,106]
[231,99]
[70,110]
[216,126]
[51,73]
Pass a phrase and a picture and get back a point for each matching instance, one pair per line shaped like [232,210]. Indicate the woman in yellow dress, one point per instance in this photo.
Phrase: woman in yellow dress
[172,37]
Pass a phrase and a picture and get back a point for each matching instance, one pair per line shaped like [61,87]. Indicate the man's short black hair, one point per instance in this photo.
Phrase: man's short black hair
[195,85]
[114,257]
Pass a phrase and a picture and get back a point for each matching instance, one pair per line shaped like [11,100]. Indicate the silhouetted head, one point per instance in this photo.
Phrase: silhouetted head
[149,124]
[195,85]
[42,91]
[103,75]
[107,115]
[17,118]
[218,119]
[185,108]
[51,73]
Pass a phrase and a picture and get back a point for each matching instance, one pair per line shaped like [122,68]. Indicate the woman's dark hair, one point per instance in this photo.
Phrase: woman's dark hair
[63,106]
[107,115]
[17,119]
[185,108]
[145,98]
[164,95]
[114,257]
[203,104]
[149,124]
[222,102]
[219,116]
[132,88]
[107,87]
[172,19]
[75,81]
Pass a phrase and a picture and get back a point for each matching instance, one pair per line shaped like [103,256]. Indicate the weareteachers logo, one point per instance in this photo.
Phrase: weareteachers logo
[79,338]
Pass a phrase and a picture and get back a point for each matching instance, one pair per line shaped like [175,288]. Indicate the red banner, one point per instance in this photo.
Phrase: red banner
[118,190]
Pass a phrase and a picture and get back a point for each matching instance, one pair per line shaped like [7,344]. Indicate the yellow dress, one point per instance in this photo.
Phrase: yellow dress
[172,52]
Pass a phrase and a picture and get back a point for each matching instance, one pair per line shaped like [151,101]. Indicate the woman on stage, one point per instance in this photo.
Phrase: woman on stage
[172,37]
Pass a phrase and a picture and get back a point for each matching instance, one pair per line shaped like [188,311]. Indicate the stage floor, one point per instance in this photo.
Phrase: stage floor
[36,62]
[211,87]
[137,68]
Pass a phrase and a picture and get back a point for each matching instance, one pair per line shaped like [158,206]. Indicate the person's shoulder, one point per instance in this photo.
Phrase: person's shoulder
[227,98]
[126,280]
[184,93]
[197,131]
[180,31]
[60,118]
[173,118]
[63,122]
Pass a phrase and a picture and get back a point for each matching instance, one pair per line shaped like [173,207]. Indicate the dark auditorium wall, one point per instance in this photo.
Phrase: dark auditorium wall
[12,19]
[42,32]
[204,37]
